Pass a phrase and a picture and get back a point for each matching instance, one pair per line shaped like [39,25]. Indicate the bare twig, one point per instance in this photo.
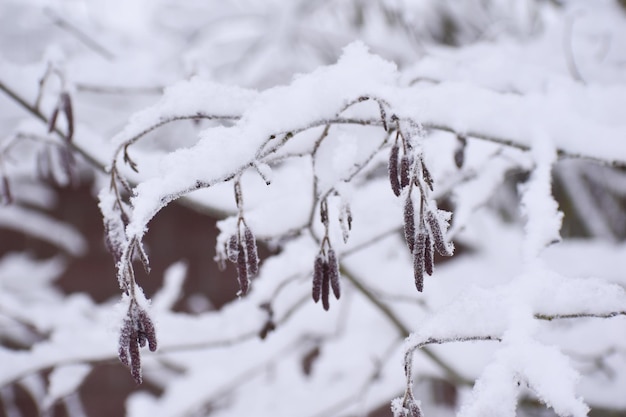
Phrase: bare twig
[80,35]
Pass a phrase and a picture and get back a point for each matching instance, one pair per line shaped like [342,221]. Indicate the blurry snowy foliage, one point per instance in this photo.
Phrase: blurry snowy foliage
[334,133]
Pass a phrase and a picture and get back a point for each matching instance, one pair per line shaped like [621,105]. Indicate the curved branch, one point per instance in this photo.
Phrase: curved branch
[35,112]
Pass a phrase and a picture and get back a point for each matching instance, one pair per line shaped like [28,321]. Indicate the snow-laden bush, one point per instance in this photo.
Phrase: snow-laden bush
[363,175]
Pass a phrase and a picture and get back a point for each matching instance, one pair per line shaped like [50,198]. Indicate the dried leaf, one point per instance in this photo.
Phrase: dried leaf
[345,221]
[112,232]
[428,179]
[333,273]
[394,178]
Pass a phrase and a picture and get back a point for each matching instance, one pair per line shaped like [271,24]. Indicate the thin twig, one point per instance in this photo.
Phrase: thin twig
[35,112]
[80,35]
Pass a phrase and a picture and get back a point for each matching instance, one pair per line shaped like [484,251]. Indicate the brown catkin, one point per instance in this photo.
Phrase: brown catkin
[53,119]
[325,286]
[135,358]
[251,250]
[409,223]
[459,151]
[414,409]
[318,277]
[231,250]
[405,171]
[437,235]
[124,342]
[418,261]
[428,255]
[242,270]
[333,272]
[393,169]
[147,328]
[68,163]
[66,105]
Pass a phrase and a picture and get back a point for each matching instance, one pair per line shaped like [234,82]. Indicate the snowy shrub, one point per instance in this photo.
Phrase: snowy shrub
[431,165]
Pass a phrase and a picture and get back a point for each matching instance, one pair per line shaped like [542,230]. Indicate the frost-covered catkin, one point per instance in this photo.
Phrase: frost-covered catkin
[124,341]
[393,169]
[325,286]
[318,277]
[147,329]
[135,359]
[333,272]
[418,260]
[428,255]
[409,223]
[443,248]
[137,331]
[251,251]
[232,250]
[405,171]
[242,270]
[414,409]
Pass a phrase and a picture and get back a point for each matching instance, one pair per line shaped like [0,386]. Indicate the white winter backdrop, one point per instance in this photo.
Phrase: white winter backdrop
[377,133]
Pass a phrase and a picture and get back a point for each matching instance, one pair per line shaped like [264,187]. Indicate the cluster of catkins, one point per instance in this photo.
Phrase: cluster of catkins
[137,331]
[242,251]
[424,229]
[325,277]
[326,266]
